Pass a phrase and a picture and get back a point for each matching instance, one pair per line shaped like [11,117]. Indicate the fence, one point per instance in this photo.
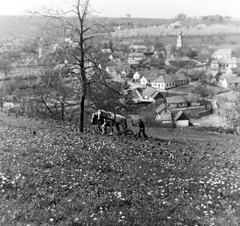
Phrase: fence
[205,113]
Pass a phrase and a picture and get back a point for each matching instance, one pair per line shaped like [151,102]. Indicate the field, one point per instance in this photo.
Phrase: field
[177,177]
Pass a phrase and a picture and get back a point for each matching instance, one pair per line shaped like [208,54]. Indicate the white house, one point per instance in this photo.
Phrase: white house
[230,82]
[163,82]
[225,63]
[148,78]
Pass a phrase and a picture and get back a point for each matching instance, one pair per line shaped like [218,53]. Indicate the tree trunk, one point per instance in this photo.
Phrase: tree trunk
[81,113]
[62,112]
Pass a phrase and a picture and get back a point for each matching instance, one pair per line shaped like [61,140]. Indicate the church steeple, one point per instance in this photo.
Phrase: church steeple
[179,40]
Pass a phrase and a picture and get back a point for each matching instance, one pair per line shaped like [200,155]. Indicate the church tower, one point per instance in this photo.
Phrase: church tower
[179,40]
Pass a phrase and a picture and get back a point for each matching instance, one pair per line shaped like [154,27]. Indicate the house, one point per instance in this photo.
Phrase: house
[176,24]
[133,64]
[138,48]
[148,78]
[222,80]
[181,119]
[180,79]
[137,97]
[233,83]
[222,53]
[152,94]
[163,82]
[226,63]
[106,51]
[164,114]
[183,102]
[117,56]
[230,63]
[114,57]
[139,74]
[136,57]
[230,70]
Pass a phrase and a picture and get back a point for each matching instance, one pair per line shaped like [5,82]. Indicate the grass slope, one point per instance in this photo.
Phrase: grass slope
[61,178]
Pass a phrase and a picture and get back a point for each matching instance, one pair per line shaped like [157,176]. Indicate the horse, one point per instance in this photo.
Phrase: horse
[118,119]
[108,123]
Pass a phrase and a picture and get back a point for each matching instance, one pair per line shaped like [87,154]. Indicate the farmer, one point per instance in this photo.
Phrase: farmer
[141,129]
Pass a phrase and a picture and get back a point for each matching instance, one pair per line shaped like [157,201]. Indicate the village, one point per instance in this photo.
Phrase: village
[182,88]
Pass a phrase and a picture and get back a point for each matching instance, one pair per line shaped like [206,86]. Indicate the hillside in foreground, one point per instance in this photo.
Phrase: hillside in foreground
[63,178]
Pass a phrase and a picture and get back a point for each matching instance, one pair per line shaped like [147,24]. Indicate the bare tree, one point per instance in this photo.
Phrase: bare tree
[81,28]
[53,96]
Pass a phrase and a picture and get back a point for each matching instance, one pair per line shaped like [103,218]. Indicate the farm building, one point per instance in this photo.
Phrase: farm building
[181,120]
[152,94]
[164,114]
[182,102]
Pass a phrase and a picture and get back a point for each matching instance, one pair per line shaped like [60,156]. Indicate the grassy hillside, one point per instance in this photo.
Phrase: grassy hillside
[60,178]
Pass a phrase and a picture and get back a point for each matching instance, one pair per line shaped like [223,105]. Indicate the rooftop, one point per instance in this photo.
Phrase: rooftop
[223,52]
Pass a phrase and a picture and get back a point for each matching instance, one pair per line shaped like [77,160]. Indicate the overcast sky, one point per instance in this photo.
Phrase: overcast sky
[137,8]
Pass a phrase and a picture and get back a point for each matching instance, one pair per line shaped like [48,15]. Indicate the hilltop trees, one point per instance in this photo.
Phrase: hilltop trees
[181,16]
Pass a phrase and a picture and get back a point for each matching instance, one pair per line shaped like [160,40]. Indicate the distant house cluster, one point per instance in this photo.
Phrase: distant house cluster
[160,79]
[225,67]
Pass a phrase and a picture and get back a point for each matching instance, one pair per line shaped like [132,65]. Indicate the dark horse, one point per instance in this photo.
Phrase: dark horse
[102,121]
[116,118]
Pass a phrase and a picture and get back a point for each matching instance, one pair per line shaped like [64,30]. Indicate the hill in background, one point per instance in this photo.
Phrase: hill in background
[20,25]
[31,25]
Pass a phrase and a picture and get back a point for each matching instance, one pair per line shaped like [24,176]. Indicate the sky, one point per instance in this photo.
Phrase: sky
[136,8]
